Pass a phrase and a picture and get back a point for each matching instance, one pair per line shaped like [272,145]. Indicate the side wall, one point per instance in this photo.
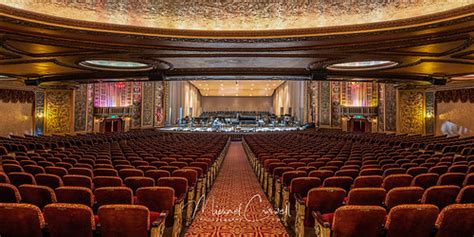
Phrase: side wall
[16,118]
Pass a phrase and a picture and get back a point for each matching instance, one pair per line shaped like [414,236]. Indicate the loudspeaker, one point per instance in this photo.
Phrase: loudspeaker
[35,82]
[156,76]
[438,81]
[319,76]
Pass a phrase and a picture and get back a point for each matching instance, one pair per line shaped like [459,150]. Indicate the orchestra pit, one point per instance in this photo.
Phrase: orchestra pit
[252,118]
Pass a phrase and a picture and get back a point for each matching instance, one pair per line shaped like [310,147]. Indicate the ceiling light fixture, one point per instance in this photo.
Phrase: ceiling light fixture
[362,65]
[115,65]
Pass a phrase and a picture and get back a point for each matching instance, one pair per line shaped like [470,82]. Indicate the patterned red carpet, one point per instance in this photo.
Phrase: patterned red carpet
[236,205]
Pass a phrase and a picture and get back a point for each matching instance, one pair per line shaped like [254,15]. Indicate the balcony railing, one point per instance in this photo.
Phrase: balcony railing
[364,111]
[110,111]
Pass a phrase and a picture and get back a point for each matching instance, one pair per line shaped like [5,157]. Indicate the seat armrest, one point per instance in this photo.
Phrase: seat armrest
[299,199]
[180,198]
[317,217]
[160,220]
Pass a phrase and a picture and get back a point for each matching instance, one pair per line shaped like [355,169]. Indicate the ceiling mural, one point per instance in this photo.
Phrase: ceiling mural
[386,41]
[237,14]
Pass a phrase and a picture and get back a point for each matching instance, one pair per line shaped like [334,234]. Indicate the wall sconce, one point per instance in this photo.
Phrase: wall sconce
[39,114]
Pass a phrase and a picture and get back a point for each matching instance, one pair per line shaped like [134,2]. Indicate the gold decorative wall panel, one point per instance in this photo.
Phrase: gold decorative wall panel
[58,111]
[411,111]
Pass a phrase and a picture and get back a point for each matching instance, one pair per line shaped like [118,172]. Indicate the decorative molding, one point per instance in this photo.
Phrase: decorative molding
[58,111]
[39,113]
[411,111]
[90,107]
[430,104]
[325,104]
[80,108]
[15,96]
[136,104]
[335,104]
[463,95]
[381,108]
[390,108]
[159,116]
[147,104]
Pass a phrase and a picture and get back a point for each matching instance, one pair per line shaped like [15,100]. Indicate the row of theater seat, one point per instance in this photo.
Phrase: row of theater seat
[158,172]
[313,176]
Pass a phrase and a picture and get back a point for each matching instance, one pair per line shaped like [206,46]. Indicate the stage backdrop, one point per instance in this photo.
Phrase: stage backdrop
[236,103]
[17,118]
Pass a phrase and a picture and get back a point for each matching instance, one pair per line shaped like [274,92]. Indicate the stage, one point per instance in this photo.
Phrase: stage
[233,129]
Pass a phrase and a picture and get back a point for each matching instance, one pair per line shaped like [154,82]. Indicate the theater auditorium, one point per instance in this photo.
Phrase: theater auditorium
[229,118]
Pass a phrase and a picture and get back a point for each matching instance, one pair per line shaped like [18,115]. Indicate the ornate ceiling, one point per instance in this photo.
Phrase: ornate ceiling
[48,49]
[237,15]
[237,87]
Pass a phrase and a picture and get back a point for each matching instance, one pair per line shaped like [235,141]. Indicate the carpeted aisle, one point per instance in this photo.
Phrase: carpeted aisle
[236,205]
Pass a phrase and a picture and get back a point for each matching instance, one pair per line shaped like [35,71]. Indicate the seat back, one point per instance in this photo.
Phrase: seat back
[189,174]
[369,181]
[451,179]
[411,220]
[107,181]
[321,174]
[469,180]
[75,195]
[113,195]
[343,182]
[105,172]
[124,220]
[125,173]
[290,175]
[425,180]
[51,180]
[179,184]
[396,180]
[4,178]
[135,183]
[77,180]
[156,174]
[9,193]
[158,199]
[20,178]
[21,220]
[403,195]
[37,195]
[441,196]
[59,171]
[81,171]
[456,220]
[301,185]
[350,221]
[466,195]
[366,196]
[72,220]
[323,200]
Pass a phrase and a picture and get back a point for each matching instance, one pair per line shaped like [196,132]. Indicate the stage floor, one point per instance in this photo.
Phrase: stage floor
[233,129]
